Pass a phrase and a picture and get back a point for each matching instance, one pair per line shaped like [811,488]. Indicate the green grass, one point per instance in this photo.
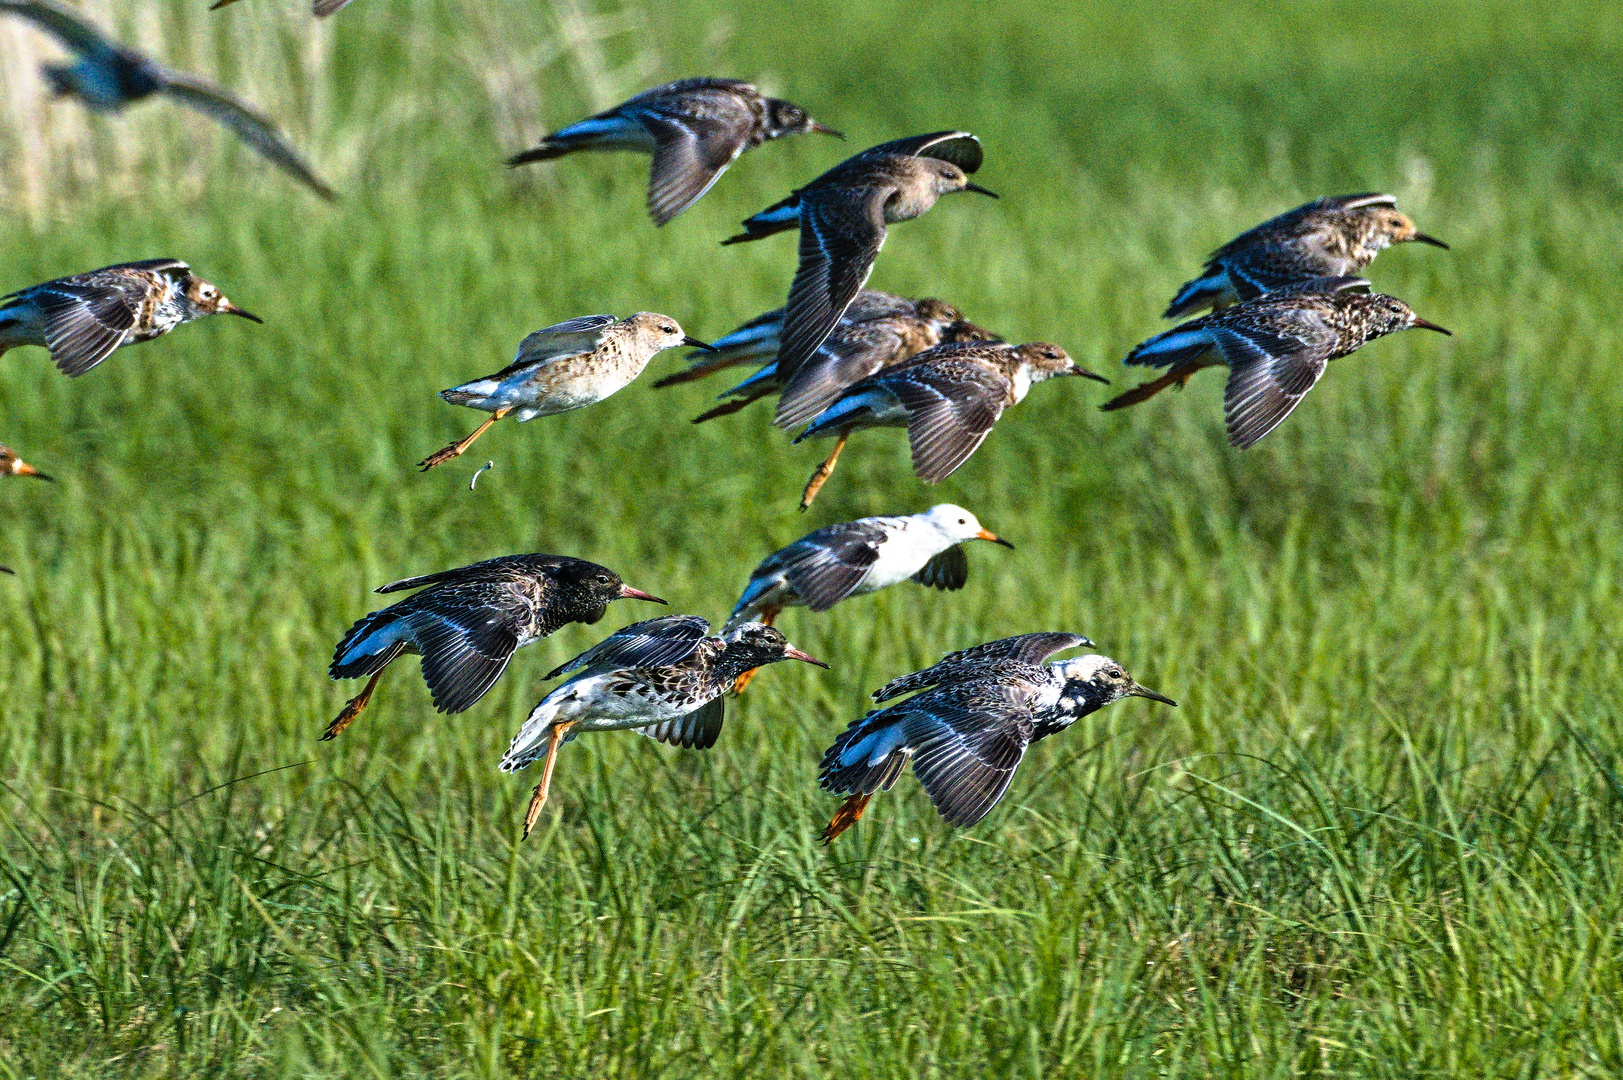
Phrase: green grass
[1379,837]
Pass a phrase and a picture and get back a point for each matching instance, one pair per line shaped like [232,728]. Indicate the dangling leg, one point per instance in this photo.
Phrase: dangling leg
[539,798]
[457,449]
[353,707]
[727,408]
[1178,376]
[821,475]
[849,813]
[744,680]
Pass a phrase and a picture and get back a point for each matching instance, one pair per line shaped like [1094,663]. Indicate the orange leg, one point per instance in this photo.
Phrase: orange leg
[824,471]
[538,799]
[849,813]
[1178,376]
[353,707]
[457,449]
[745,679]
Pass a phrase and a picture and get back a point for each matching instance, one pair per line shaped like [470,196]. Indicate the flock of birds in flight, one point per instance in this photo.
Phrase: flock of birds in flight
[1282,301]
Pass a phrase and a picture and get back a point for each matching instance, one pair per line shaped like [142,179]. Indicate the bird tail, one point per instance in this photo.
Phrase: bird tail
[475,394]
[1177,376]
[1210,290]
[371,644]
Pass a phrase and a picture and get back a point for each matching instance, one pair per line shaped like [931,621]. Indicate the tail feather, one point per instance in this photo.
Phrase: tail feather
[1211,290]
[370,646]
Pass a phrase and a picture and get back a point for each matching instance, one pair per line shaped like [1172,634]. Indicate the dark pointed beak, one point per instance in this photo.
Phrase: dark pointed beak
[1422,238]
[25,469]
[628,593]
[795,654]
[986,534]
[232,309]
[1146,692]
[1078,369]
[977,189]
[697,344]
[1422,324]
[823,129]
[8,570]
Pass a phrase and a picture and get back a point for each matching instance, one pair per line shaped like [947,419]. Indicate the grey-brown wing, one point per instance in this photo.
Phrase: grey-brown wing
[952,404]
[828,565]
[84,324]
[690,153]
[1265,268]
[323,8]
[958,147]
[651,643]
[948,570]
[966,742]
[698,730]
[1023,650]
[254,129]
[841,232]
[1270,370]
[854,351]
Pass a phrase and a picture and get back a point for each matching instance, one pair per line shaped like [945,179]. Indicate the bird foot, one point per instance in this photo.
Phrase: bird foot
[849,813]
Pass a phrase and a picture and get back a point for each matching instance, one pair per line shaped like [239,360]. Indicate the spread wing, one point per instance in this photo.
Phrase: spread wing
[1024,649]
[696,730]
[841,232]
[60,22]
[256,130]
[322,8]
[569,338]
[827,566]
[946,571]
[967,742]
[690,154]
[1270,370]
[85,323]
[852,353]
[958,147]
[659,642]
[951,406]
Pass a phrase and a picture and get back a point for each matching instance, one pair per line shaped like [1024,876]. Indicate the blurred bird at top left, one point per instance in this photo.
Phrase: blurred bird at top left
[108,77]
[82,319]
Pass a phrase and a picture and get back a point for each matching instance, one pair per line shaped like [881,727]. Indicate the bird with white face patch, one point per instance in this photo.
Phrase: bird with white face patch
[968,730]
[567,366]
[663,678]
[855,557]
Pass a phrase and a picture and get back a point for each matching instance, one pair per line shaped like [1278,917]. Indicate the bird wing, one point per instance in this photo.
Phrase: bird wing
[967,741]
[256,130]
[952,403]
[651,643]
[1025,649]
[852,353]
[322,8]
[947,570]
[697,730]
[958,147]
[85,323]
[828,565]
[690,154]
[1265,268]
[466,642]
[74,32]
[1270,370]
[841,232]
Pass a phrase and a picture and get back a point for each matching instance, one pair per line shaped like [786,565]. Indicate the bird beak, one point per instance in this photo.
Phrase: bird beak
[8,570]
[795,654]
[823,129]
[1078,369]
[1146,692]
[628,593]
[1422,238]
[1422,324]
[987,534]
[232,309]
[25,469]
[697,344]
[977,189]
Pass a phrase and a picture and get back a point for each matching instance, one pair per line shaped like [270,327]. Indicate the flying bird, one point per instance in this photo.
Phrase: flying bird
[663,678]
[693,128]
[467,623]
[1336,236]
[107,77]
[966,733]
[1276,348]
[564,367]
[82,319]
[842,217]
[948,398]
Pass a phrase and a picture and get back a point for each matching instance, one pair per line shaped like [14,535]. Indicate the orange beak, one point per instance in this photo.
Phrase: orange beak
[985,534]
[22,468]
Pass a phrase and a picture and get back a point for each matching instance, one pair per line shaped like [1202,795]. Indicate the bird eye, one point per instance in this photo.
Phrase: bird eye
[602,579]
[1116,673]
[668,329]
[963,521]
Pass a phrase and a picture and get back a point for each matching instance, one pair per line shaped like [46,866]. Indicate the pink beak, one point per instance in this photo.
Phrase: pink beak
[795,654]
[628,593]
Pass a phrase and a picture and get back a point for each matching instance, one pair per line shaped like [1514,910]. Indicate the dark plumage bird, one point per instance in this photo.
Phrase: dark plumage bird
[966,733]
[694,129]
[107,77]
[842,217]
[83,318]
[467,623]
[1276,347]
[12,465]
[1336,236]
[947,398]
[664,678]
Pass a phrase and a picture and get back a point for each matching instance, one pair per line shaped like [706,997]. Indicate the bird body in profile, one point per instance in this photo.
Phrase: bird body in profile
[948,398]
[108,77]
[663,677]
[842,217]
[1276,348]
[564,367]
[694,129]
[1336,236]
[467,623]
[82,319]
[968,729]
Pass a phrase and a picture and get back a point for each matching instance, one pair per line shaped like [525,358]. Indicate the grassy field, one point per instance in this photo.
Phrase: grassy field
[1379,837]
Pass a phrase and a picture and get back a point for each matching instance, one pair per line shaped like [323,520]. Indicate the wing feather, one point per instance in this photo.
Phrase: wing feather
[659,642]
[258,131]
[841,233]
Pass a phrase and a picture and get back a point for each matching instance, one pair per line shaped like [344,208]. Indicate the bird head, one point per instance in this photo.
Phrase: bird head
[964,330]
[787,118]
[1388,315]
[1045,361]
[663,332]
[947,178]
[12,465]
[755,644]
[957,524]
[587,586]
[1094,681]
[1394,227]
[205,299]
[938,313]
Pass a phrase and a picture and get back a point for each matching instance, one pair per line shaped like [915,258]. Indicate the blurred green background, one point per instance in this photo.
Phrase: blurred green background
[1379,836]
